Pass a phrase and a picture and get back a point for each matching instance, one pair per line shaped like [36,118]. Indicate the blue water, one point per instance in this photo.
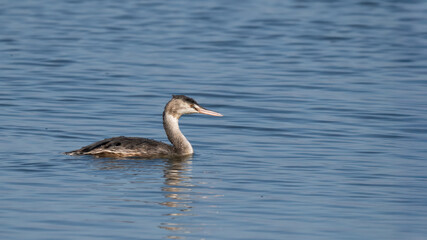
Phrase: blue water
[324,133]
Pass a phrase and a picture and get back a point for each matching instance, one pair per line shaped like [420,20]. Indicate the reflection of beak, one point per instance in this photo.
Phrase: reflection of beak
[208,112]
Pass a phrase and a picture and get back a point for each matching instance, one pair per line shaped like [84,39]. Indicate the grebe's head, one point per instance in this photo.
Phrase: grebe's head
[180,105]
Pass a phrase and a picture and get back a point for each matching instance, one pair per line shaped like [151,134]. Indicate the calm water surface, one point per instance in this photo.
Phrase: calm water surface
[324,134]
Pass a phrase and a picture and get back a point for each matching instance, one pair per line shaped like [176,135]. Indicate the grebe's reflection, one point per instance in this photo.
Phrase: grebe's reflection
[177,188]
[177,185]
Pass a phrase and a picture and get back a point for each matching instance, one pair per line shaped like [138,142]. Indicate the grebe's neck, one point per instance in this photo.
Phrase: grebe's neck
[181,145]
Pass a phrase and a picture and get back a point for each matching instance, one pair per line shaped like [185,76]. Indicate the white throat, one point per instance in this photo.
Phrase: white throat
[181,145]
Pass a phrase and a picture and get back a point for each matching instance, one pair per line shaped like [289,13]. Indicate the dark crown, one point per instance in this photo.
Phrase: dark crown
[185,98]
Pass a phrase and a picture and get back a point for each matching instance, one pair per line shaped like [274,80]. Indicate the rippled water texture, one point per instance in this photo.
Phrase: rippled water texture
[323,134]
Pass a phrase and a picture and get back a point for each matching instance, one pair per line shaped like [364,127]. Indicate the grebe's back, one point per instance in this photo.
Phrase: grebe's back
[126,147]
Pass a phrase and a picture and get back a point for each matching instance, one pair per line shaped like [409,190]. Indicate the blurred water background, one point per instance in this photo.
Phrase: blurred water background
[324,133]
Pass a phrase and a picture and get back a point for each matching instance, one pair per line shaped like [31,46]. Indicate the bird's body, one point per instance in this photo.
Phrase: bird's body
[148,148]
[126,147]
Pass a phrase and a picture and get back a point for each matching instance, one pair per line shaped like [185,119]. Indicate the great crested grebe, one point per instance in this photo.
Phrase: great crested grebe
[148,148]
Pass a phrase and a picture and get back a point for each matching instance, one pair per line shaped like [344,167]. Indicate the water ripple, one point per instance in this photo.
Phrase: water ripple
[323,134]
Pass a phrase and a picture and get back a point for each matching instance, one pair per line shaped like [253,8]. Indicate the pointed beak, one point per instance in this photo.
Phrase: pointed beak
[208,112]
